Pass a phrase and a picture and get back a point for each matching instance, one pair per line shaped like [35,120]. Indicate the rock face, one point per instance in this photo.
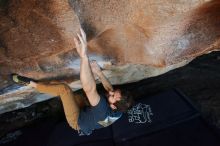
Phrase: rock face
[37,31]
[130,39]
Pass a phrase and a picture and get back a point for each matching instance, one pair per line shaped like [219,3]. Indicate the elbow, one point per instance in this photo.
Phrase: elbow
[89,89]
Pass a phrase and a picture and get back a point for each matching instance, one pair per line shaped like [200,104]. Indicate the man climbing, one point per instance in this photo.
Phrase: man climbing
[103,110]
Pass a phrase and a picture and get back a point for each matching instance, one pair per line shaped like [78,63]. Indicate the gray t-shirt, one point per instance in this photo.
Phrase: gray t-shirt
[95,117]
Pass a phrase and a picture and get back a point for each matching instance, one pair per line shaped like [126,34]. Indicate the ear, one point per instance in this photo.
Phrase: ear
[113,106]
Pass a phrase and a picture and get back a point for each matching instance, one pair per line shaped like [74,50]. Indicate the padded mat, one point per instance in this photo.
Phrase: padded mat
[167,119]
[189,133]
[151,114]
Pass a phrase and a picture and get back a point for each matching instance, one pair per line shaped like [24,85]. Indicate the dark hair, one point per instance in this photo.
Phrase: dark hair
[126,101]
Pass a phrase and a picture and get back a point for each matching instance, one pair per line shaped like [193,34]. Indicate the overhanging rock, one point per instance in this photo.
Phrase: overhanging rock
[131,40]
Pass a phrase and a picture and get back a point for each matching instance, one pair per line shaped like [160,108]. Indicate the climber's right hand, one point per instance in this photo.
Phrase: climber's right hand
[81,44]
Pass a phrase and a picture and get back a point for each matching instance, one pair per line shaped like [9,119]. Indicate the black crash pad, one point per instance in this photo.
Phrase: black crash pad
[167,119]
[155,113]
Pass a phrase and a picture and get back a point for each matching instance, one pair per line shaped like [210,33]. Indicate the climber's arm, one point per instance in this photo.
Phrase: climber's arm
[86,76]
[97,70]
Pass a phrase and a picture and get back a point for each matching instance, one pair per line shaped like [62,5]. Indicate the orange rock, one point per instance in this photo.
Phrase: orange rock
[37,36]
[131,39]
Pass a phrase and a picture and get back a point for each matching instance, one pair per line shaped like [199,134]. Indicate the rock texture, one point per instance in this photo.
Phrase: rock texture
[39,31]
[130,39]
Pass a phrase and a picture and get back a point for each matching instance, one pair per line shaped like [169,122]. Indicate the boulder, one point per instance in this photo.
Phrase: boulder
[131,40]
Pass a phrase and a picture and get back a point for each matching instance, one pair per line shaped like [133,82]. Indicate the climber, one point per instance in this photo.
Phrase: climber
[103,110]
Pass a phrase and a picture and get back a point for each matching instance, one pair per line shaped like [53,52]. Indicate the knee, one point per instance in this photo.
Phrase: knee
[73,124]
[65,87]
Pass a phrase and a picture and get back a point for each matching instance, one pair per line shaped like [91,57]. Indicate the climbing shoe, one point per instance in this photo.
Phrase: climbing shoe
[21,80]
